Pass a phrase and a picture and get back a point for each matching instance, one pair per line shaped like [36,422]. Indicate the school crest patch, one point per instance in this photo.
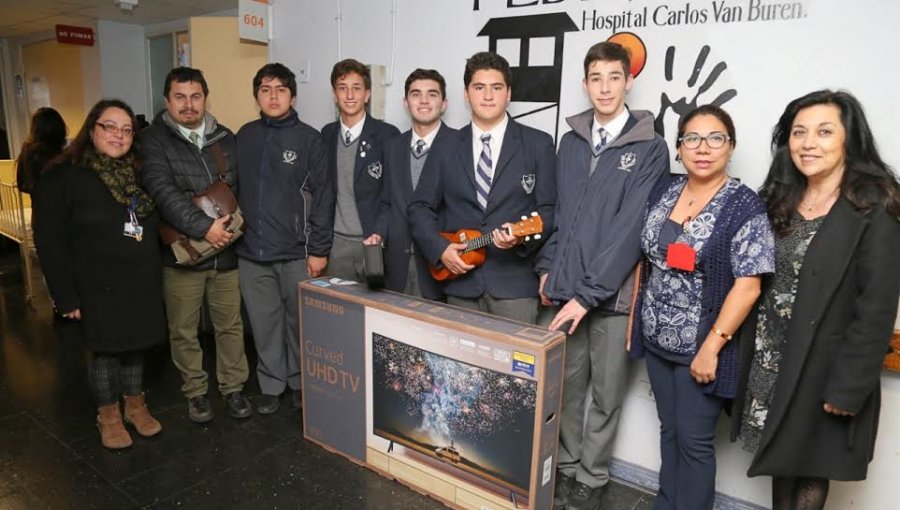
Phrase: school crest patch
[289,157]
[528,181]
[627,160]
[375,169]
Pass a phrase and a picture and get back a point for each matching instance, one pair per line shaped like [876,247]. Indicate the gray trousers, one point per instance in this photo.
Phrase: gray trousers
[270,297]
[521,309]
[347,260]
[412,279]
[596,361]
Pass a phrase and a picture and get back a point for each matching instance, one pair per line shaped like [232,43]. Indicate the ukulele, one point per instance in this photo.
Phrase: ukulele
[476,243]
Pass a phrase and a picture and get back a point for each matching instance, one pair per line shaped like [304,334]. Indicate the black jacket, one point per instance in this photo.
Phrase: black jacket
[173,170]
[281,166]
[90,265]
[840,329]
[369,166]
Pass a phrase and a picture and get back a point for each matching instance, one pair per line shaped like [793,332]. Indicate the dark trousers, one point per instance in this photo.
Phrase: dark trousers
[687,416]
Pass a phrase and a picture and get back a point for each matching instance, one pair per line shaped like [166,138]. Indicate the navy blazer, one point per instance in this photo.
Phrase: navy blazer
[369,168]
[393,225]
[445,201]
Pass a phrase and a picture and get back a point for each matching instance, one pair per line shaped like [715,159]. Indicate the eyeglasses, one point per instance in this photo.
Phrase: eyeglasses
[713,140]
[114,129]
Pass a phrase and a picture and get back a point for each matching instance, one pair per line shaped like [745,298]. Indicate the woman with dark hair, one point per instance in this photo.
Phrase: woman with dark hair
[706,241]
[45,142]
[96,236]
[815,345]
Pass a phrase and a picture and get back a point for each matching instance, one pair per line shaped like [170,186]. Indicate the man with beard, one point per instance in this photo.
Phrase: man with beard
[179,156]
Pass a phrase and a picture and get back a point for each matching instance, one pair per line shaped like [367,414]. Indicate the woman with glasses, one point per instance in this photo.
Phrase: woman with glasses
[706,241]
[96,236]
[815,344]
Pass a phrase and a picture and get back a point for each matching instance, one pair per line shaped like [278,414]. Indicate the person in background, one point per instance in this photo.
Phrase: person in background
[45,142]
[815,345]
[287,200]
[707,242]
[96,237]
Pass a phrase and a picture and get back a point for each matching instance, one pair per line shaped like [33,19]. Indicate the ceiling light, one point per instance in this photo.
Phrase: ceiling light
[126,5]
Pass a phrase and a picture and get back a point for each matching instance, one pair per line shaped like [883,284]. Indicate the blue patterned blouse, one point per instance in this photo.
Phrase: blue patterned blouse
[671,311]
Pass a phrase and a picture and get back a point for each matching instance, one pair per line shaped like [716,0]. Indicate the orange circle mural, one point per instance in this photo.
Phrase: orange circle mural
[635,47]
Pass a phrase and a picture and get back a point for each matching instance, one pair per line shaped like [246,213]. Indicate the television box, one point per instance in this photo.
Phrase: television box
[459,405]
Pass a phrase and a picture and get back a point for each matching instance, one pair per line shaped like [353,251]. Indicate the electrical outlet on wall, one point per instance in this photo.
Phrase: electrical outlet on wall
[303,71]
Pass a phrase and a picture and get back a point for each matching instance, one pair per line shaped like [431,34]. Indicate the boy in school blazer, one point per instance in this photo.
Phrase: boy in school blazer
[355,146]
[487,175]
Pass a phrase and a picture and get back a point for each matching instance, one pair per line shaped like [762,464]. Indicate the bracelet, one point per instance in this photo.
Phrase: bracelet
[719,332]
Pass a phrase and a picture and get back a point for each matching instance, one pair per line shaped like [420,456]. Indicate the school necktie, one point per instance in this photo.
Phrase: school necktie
[602,145]
[485,171]
[420,149]
[347,139]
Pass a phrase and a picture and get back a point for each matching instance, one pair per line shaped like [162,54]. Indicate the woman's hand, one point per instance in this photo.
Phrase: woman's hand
[703,367]
[74,315]
[835,410]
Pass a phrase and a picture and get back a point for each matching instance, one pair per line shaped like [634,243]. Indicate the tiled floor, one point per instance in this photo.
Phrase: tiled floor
[51,457]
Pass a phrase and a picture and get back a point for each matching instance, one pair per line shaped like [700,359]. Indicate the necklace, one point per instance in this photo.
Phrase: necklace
[705,197]
[809,205]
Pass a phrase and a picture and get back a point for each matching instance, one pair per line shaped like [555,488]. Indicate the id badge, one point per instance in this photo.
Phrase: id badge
[681,256]
[133,230]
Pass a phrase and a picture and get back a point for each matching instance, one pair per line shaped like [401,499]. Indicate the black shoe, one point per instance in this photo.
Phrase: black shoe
[238,405]
[562,490]
[296,399]
[583,497]
[267,404]
[199,410]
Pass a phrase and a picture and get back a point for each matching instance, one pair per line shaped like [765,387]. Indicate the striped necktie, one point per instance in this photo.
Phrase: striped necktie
[602,145]
[485,171]
[347,139]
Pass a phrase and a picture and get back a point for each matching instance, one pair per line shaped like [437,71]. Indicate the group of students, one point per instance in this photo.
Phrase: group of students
[779,306]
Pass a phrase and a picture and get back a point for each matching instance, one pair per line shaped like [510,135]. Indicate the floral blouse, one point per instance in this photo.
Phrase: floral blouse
[671,312]
[774,316]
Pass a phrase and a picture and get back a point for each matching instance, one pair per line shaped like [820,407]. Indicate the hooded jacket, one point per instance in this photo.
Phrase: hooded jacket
[596,244]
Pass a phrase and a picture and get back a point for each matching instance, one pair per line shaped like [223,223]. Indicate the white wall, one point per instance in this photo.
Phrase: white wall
[769,62]
[834,44]
[123,63]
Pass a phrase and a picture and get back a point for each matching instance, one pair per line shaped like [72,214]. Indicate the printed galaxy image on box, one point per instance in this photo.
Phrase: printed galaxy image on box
[473,418]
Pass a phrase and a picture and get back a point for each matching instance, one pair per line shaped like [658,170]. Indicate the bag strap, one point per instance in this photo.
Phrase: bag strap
[219,157]
[189,248]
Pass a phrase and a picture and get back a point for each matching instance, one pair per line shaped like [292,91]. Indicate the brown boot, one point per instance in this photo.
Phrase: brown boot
[137,414]
[112,431]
